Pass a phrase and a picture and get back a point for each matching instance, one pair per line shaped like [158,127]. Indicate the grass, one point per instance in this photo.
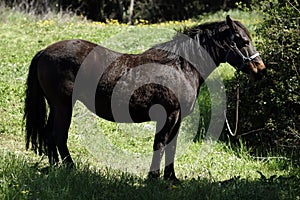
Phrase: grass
[207,172]
[213,178]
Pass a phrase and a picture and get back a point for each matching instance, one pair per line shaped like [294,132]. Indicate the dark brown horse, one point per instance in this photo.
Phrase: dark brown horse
[168,75]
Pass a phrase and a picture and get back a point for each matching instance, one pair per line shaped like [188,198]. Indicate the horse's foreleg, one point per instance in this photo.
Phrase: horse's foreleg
[170,150]
[165,134]
[158,151]
[62,121]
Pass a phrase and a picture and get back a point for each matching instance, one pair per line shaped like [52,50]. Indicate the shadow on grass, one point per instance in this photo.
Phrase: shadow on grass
[20,180]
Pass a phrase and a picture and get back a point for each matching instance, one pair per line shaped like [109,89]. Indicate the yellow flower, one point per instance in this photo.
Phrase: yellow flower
[24,192]
[112,21]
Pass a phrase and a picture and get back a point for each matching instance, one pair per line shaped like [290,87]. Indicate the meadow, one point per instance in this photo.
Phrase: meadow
[224,172]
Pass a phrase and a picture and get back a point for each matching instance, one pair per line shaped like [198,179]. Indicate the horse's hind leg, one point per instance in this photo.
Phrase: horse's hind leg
[61,124]
[52,150]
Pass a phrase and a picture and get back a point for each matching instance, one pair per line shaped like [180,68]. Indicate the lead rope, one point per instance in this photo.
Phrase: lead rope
[237,108]
[246,60]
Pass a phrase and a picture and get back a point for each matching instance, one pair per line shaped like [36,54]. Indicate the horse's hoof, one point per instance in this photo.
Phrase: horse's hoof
[153,175]
[44,170]
[173,179]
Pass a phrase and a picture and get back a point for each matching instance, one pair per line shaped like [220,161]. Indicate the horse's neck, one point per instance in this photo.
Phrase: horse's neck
[213,49]
[205,55]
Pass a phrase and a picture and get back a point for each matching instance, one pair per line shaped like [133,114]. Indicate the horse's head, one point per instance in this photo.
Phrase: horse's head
[240,51]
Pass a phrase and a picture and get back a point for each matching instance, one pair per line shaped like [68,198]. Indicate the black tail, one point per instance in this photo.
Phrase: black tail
[35,110]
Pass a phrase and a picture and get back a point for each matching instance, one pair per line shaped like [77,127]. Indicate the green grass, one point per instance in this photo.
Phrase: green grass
[221,173]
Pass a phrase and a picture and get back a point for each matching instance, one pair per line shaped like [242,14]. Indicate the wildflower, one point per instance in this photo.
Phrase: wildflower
[24,192]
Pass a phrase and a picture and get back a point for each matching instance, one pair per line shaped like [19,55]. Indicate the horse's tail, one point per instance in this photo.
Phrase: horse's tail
[35,110]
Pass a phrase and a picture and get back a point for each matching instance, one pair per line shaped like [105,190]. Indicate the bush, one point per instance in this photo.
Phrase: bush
[270,109]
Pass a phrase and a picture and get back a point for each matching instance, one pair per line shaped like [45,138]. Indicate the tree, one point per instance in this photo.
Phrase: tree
[131,7]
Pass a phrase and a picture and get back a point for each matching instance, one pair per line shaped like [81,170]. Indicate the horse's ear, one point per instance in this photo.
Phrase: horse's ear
[230,23]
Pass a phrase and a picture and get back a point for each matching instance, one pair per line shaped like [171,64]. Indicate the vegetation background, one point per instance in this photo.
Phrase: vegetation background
[127,10]
[270,109]
[261,163]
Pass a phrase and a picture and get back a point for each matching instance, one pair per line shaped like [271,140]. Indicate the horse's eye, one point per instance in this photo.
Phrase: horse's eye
[242,40]
[247,42]
[237,36]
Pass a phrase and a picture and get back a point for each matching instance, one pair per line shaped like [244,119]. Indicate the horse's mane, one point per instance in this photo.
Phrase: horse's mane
[207,35]
[207,29]
[210,27]
[187,41]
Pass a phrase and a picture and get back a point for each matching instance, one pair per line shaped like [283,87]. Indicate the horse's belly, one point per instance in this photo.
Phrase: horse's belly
[120,110]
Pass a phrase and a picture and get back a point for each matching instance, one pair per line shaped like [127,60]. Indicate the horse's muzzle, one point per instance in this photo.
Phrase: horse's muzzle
[258,70]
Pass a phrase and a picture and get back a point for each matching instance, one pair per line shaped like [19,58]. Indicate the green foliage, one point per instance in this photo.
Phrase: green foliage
[270,109]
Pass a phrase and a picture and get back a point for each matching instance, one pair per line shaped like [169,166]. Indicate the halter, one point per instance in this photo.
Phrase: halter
[246,60]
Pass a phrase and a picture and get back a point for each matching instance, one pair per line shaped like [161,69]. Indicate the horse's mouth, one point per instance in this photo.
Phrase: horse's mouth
[258,70]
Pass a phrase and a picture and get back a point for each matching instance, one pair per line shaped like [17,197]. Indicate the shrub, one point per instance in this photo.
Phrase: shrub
[270,109]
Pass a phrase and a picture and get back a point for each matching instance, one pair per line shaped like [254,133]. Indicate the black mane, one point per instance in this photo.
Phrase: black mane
[214,37]
[210,29]
[203,29]
[188,40]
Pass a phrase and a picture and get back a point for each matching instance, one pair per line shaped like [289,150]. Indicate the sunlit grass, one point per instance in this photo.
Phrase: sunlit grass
[221,174]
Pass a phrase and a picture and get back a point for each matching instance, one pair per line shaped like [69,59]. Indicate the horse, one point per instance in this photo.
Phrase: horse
[56,73]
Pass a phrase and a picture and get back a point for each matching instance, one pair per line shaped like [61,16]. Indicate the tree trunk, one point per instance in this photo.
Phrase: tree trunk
[131,8]
[224,6]
[120,11]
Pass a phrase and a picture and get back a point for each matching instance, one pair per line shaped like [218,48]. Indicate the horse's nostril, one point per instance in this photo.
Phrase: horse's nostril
[260,65]
[263,71]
